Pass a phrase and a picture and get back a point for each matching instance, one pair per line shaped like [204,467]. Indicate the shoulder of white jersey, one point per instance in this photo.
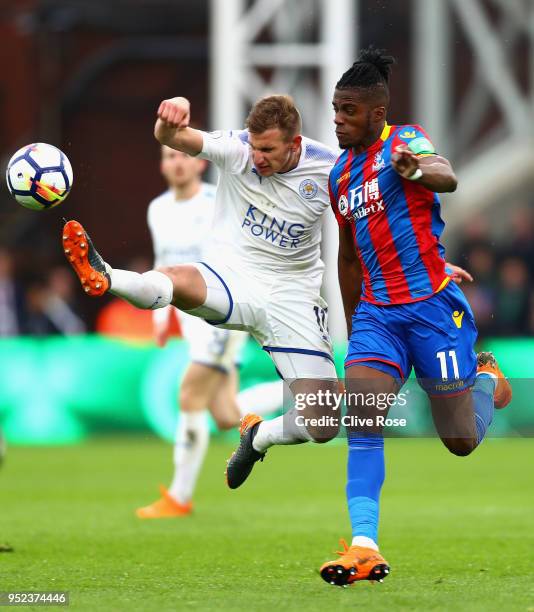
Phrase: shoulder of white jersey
[318,152]
[239,134]
[242,135]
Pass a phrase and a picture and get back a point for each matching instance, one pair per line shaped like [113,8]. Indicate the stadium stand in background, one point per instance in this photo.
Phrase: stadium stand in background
[88,58]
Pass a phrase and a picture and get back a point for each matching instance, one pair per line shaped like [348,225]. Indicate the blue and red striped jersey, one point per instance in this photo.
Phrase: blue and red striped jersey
[396,223]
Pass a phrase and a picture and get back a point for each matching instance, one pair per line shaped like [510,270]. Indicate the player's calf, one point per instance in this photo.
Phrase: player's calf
[189,287]
[318,408]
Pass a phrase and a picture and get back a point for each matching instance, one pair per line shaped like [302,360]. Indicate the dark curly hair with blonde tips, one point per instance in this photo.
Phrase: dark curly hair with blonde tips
[370,73]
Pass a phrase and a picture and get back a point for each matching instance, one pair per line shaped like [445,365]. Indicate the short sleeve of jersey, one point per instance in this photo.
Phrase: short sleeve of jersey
[417,140]
[225,149]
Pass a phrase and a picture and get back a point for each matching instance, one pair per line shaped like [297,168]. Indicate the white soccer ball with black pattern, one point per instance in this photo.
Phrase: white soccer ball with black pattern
[39,176]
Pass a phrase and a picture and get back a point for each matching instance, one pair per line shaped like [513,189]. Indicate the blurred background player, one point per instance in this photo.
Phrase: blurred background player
[180,222]
[402,310]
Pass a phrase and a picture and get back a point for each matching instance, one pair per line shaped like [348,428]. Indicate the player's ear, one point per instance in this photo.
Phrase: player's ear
[296,142]
[378,114]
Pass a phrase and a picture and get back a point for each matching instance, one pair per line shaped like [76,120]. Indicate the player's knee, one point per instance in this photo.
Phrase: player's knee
[187,398]
[225,422]
[461,447]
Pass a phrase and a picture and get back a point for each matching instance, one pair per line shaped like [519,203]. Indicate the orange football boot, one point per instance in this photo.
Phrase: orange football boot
[84,258]
[486,362]
[240,464]
[355,563]
[165,507]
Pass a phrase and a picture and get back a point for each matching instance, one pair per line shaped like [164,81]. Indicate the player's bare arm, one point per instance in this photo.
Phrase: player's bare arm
[349,273]
[172,127]
[435,172]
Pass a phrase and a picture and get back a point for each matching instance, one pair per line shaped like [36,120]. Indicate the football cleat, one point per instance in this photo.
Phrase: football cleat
[355,563]
[85,259]
[486,362]
[240,464]
[165,507]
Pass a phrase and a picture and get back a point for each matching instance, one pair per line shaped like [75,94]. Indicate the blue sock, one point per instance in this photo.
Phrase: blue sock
[483,391]
[365,477]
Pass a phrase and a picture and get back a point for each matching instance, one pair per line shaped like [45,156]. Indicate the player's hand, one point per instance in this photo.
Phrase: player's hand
[173,114]
[458,274]
[404,161]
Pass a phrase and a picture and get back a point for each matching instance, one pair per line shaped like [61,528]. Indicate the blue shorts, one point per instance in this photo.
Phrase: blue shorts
[436,336]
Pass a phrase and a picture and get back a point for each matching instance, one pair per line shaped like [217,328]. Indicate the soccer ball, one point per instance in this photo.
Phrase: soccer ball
[39,176]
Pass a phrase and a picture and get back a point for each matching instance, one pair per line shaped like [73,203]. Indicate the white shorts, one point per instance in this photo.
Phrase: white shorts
[286,315]
[208,345]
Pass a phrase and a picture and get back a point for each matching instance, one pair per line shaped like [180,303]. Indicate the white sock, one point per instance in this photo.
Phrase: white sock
[150,290]
[192,438]
[282,430]
[261,399]
[365,542]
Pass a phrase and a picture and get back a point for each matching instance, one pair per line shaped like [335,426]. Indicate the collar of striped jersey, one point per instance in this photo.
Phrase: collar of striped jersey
[385,132]
[377,144]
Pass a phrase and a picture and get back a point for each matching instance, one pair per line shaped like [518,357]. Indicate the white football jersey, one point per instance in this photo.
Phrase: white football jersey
[269,225]
[181,229]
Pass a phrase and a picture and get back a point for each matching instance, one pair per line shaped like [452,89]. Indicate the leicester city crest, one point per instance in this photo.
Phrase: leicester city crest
[308,189]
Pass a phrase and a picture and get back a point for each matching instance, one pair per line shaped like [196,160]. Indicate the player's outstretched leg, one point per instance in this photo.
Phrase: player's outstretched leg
[183,285]
[355,563]
[85,259]
[245,456]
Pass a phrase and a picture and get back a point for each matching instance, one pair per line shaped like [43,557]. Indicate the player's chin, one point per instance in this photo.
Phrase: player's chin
[343,143]
[265,171]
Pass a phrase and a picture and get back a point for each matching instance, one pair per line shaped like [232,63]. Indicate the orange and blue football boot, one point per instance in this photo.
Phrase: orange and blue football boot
[486,362]
[355,563]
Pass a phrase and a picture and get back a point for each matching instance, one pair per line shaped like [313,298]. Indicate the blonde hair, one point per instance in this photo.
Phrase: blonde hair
[275,112]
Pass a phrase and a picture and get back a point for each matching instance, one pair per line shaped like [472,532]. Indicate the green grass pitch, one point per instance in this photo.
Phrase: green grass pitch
[458,532]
